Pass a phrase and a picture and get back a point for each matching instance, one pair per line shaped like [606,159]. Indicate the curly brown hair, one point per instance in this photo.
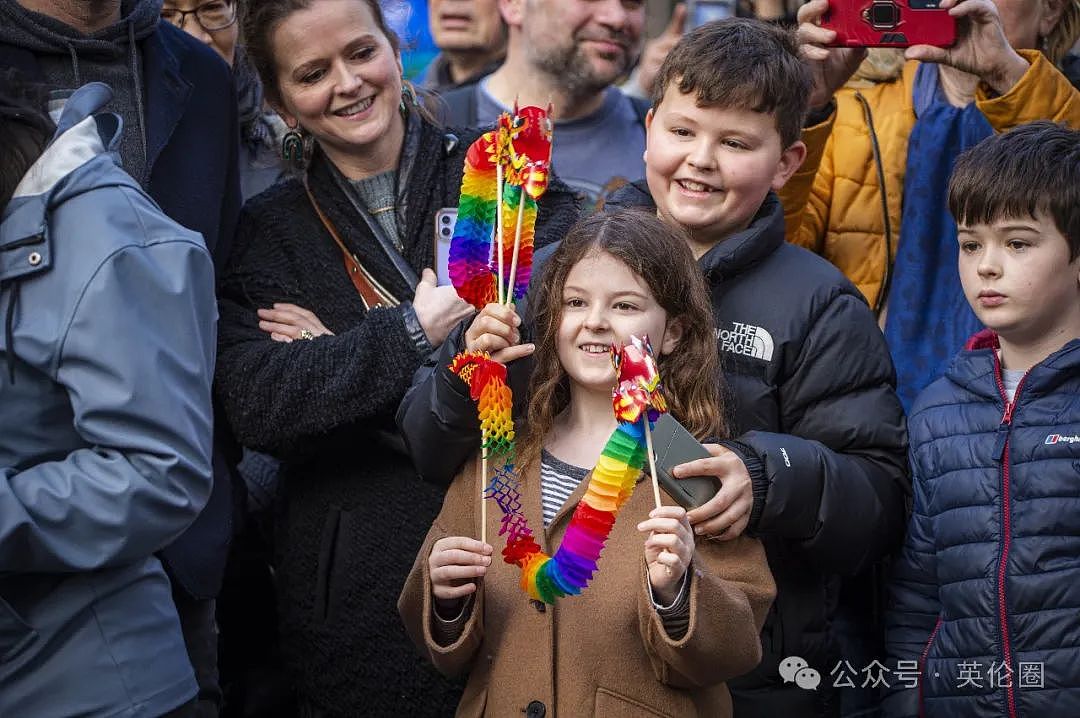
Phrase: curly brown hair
[659,255]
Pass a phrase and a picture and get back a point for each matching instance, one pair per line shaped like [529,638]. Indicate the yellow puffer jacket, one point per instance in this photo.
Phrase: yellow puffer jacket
[833,204]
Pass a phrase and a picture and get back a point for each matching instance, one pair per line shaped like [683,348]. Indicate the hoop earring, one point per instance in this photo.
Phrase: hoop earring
[292,147]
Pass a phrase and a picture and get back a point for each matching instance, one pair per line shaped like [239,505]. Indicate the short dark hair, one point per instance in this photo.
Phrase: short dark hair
[1029,169]
[25,129]
[741,63]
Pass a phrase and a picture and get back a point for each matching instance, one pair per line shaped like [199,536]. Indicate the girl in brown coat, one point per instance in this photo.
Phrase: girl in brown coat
[666,620]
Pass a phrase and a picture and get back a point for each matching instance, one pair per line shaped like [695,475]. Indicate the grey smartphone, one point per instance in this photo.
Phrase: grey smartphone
[674,445]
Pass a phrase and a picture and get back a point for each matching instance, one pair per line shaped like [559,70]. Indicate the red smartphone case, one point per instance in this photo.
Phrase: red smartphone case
[889,23]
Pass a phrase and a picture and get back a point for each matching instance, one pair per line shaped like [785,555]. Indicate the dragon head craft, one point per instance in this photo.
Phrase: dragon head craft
[525,142]
[637,387]
[506,171]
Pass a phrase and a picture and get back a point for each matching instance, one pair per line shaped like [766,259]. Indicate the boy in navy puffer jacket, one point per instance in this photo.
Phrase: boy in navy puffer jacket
[986,595]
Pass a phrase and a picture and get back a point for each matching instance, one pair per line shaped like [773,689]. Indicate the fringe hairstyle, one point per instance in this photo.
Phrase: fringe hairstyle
[660,256]
[1031,168]
[741,63]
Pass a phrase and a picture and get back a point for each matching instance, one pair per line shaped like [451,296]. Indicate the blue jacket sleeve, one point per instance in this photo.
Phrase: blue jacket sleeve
[914,605]
[136,362]
[835,483]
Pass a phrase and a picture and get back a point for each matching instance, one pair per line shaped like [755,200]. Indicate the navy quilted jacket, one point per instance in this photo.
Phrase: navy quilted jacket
[986,595]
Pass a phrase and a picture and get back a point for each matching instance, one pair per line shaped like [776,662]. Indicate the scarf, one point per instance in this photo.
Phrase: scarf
[929,319]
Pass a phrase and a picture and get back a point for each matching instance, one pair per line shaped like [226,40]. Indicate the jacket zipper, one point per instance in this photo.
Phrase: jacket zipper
[1002,452]
[886,277]
[922,663]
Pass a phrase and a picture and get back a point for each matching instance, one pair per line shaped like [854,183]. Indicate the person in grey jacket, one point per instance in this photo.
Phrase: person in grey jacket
[106,361]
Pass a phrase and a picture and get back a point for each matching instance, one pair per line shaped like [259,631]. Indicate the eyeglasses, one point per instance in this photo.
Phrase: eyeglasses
[211,16]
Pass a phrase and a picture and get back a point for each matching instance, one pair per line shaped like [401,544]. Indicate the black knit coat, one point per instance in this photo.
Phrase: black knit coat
[352,513]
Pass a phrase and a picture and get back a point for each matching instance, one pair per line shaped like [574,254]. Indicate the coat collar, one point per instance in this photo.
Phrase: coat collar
[167,91]
[977,367]
[742,250]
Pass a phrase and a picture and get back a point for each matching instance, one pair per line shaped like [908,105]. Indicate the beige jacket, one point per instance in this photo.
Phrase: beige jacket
[605,652]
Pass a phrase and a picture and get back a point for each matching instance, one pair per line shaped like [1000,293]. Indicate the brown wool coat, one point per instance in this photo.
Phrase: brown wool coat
[605,652]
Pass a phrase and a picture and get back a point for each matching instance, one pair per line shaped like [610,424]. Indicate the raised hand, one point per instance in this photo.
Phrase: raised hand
[439,309]
[726,515]
[669,547]
[455,565]
[830,67]
[652,57]
[495,331]
[981,46]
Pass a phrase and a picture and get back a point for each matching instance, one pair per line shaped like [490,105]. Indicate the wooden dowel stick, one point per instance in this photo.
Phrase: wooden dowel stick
[652,469]
[652,462]
[517,247]
[483,502]
[499,222]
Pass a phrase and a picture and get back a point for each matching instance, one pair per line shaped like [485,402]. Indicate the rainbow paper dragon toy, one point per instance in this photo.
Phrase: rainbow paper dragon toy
[637,403]
[506,171]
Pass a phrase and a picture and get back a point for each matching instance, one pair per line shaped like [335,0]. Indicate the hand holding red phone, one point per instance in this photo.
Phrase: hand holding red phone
[831,67]
[981,47]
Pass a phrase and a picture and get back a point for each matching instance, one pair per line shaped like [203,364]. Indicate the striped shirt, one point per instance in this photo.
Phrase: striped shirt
[557,481]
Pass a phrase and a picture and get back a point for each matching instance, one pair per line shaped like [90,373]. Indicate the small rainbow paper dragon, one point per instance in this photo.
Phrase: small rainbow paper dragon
[506,169]
[637,403]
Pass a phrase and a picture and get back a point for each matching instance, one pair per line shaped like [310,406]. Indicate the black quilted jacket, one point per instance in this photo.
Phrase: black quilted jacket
[817,422]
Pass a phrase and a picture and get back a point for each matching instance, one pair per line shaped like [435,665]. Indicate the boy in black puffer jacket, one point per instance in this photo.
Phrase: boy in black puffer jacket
[818,470]
[986,603]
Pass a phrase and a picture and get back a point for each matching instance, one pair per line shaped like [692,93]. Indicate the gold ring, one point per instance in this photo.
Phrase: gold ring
[306,334]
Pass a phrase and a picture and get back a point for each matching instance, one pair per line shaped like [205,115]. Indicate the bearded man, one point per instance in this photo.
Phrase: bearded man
[569,53]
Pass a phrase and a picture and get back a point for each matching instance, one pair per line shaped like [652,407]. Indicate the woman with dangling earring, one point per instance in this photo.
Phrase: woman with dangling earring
[327,307]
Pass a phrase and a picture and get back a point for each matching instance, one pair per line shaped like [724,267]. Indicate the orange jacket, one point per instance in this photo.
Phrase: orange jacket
[833,204]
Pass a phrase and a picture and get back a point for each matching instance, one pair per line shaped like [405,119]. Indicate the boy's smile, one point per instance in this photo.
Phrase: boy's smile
[710,168]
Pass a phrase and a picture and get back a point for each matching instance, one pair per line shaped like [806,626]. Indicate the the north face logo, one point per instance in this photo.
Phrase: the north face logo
[745,339]
[1062,439]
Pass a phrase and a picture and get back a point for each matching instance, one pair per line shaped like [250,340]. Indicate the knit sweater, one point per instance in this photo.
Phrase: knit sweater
[353,514]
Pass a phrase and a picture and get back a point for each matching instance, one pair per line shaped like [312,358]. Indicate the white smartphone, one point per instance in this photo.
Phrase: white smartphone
[445,219]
